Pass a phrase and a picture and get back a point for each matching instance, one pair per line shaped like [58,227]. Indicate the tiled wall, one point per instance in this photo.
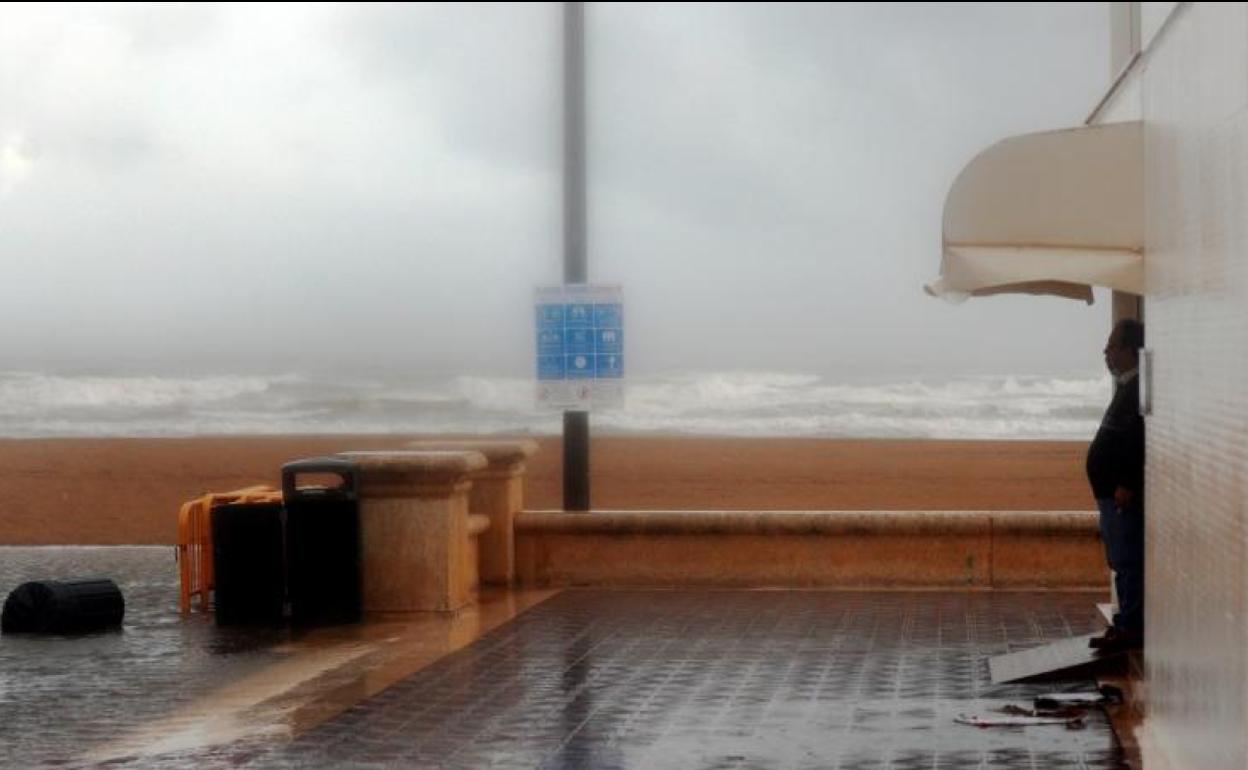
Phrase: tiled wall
[1195,96]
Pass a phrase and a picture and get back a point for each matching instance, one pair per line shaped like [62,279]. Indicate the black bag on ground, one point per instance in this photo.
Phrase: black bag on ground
[63,607]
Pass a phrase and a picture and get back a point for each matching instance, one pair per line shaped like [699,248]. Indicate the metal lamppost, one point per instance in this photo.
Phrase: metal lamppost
[575,263]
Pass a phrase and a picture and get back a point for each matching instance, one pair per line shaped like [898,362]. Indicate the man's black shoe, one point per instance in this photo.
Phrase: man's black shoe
[1111,635]
[1116,640]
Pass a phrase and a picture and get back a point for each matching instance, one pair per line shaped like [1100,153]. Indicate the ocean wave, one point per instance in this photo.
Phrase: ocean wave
[744,403]
[30,392]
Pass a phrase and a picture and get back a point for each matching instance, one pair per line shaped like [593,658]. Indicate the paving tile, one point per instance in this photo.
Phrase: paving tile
[736,679]
[589,679]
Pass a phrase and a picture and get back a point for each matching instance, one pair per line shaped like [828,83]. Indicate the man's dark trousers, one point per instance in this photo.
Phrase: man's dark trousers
[1123,533]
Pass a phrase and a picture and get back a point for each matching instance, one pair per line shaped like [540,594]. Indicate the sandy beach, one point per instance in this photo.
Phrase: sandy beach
[127,491]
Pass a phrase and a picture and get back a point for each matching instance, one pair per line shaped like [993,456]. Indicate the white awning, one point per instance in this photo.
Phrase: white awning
[1056,212]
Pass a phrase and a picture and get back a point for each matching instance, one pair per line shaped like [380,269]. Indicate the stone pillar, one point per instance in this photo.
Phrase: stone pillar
[498,493]
[414,529]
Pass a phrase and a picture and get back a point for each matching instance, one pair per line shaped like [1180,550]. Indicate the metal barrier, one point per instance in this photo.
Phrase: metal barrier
[195,539]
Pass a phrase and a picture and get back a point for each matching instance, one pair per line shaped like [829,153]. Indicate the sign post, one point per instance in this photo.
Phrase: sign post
[575,261]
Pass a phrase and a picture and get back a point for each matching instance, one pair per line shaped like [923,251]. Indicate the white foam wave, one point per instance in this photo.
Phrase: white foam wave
[29,392]
[713,403]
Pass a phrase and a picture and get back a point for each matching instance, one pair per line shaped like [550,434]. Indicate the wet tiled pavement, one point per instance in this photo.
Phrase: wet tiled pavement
[602,679]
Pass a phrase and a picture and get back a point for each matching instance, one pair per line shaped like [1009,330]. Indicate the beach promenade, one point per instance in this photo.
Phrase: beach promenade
[555,677]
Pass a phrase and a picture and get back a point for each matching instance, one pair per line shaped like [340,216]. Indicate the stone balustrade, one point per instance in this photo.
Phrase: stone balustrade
[498,493]
[841,549]
[415,529]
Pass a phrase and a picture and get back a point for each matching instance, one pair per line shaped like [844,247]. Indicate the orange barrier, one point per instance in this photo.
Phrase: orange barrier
[195,539]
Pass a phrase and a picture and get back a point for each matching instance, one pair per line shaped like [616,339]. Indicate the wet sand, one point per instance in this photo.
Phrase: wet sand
[127,491]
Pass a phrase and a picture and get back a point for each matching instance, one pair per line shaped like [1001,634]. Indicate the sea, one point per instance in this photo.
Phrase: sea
[725,403]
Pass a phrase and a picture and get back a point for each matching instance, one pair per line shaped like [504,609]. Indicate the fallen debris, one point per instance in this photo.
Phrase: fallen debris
[1075,723]
[1062,712]
[1103,696]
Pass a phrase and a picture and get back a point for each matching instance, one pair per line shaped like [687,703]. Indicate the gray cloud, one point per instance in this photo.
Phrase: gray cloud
[378,186]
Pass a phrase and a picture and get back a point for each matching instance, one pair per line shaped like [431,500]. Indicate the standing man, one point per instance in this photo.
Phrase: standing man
[1116,473]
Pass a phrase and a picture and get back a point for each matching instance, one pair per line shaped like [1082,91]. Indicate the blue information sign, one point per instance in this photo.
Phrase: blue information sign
[580,345]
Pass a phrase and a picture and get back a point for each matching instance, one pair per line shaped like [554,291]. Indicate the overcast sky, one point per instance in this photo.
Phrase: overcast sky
[294,187]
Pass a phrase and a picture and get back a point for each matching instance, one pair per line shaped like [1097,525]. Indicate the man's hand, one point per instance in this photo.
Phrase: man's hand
[1123,498]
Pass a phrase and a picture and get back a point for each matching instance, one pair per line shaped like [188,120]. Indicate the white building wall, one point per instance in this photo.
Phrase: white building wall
[1152,17]
[1195,103]
[1124,35]
[1124,104]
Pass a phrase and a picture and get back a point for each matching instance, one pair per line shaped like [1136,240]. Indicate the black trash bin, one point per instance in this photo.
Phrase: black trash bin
[248,565]
[63,607]
[322,542]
